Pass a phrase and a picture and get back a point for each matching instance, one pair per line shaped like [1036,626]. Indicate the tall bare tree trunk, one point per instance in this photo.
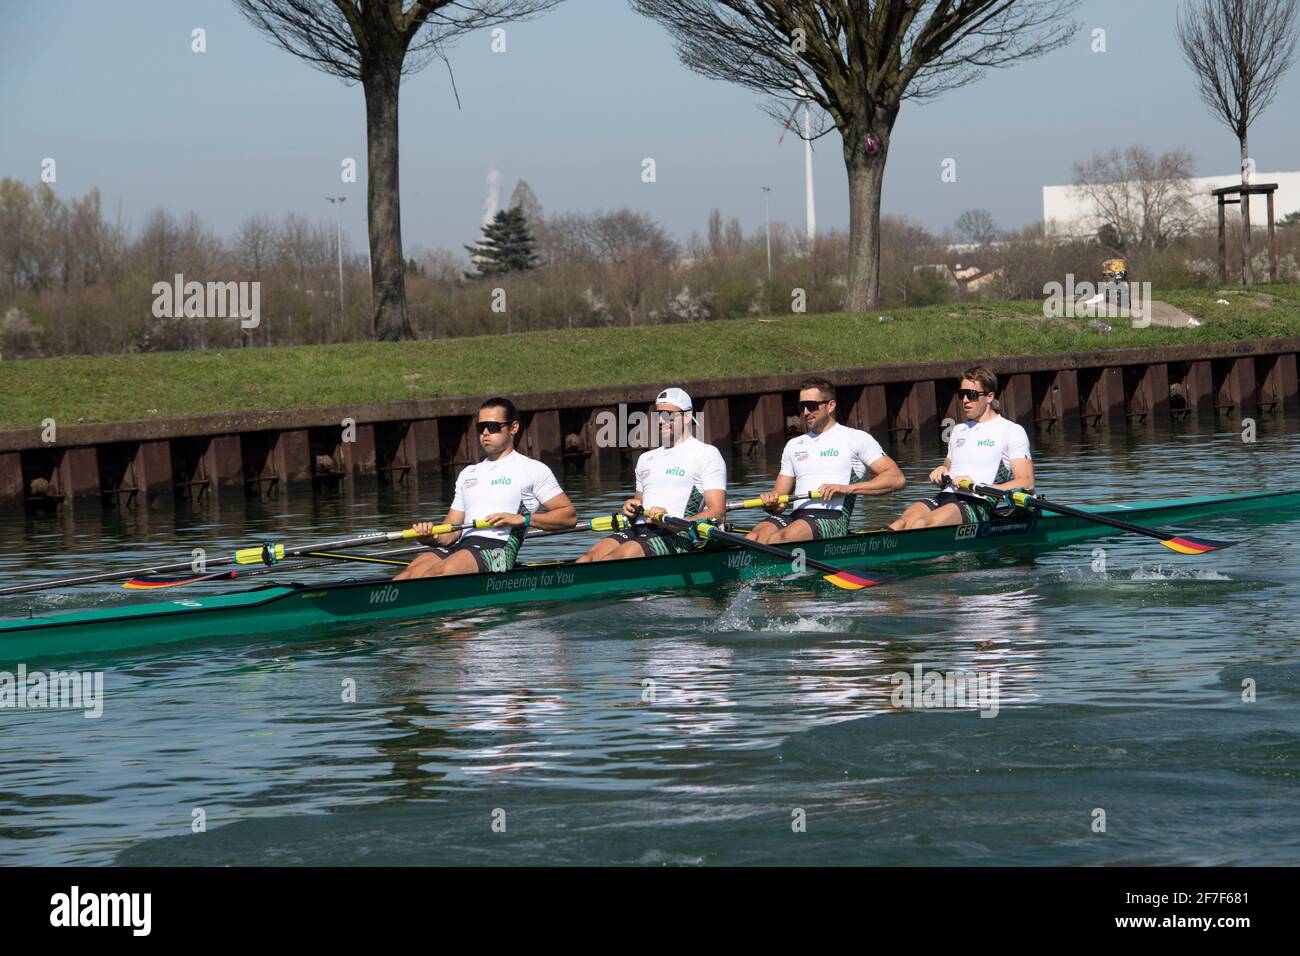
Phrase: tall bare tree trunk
[866,181]
[387,266]
[1245,213]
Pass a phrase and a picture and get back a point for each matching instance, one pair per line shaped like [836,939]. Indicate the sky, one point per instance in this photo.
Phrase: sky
[111,90]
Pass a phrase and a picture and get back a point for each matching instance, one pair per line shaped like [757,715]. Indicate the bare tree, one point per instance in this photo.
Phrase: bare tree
[1137,199]
[376,43]
[857,62]
[976,227]
[634,249]
[1239,51]
[255,244]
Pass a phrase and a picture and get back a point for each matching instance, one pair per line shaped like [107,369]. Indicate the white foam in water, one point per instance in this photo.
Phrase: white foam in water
[1161,573]
[1075,575]
[748,612]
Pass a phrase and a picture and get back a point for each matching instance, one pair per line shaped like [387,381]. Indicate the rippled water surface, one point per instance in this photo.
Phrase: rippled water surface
[748,724]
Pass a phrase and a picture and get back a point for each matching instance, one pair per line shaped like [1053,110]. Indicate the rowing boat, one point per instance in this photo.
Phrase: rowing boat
[285,608]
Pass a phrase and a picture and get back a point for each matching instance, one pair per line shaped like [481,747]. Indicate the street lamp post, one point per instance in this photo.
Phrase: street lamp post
[337,202]
[767,219]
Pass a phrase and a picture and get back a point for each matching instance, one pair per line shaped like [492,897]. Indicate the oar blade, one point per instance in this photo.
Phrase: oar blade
[153,582]
[851,581]
[1193,544]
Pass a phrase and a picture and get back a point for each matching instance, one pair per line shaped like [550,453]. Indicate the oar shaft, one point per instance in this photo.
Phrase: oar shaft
[611,522]
[781,500]
[1024,499]
[709,531]
[264,554]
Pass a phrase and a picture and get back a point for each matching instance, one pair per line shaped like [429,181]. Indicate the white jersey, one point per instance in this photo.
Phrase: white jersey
[982,450]
[831,458]
[512,480]
[667,477]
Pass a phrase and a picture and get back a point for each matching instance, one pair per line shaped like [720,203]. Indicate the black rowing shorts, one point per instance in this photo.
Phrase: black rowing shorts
[825,522]
[974,508]
[490,554]
[655,541]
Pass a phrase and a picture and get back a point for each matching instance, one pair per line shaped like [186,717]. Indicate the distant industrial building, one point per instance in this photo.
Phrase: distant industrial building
[1069,215]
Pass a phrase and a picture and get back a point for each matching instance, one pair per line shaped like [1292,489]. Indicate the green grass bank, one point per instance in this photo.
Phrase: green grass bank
[107,388]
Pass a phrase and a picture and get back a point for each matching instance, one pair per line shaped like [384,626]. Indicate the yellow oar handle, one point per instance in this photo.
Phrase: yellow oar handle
[1019,497]
[256,554]
[781,500]
[449,528]
[609,523]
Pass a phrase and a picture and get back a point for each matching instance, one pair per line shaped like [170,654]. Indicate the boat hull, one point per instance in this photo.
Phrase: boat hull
[273,610]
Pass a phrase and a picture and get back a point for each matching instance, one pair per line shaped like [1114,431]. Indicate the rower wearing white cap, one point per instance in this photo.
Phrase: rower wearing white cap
[683,478]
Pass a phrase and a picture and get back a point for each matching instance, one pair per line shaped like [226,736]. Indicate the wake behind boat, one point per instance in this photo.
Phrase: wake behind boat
[296,607]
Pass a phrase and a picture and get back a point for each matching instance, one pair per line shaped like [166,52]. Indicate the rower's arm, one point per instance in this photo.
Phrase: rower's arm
[559,514]
[886,477]
[1022,475]
[715,506]
[784,485]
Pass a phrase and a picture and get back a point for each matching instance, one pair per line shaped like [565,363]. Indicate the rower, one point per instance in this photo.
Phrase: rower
[830,459]
[683,478]
[986,448]
[504,489]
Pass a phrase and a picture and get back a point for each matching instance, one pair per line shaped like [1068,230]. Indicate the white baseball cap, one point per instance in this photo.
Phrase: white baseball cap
[675,396]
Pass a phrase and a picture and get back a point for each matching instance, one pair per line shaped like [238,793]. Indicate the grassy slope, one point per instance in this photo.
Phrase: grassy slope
[122,387]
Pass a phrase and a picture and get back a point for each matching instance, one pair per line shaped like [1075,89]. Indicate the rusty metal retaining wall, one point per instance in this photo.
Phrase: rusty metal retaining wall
[136,462]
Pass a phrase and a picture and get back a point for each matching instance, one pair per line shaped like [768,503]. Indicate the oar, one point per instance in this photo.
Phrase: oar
[150,582]
[613,522]
[1182,543]
[142,582]
[847,580]
[781,500]
[263,554]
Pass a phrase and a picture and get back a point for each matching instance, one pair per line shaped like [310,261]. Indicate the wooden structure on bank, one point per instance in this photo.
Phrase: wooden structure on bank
[1243,192]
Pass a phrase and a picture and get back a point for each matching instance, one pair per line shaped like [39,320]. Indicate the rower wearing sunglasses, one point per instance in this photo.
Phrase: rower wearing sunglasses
[986,448]
[505,489]
[830,459]
[682,478]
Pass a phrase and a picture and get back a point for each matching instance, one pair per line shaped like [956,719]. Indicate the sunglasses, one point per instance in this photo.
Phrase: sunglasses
[970,394]
[492,427]
[665,416]
[811,406]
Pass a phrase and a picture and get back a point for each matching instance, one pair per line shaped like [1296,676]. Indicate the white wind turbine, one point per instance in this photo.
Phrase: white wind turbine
[804,100]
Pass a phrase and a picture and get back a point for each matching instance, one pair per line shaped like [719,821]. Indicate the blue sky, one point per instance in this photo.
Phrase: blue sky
[112,91]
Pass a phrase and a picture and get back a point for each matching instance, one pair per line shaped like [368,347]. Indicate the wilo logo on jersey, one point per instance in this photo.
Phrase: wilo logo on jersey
[58,690]
[1106,300]
[213,300]
[830,453]
[500,481]
[636,429]
[934,690]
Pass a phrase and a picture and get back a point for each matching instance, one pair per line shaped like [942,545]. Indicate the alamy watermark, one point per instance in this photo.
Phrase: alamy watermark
[58,690]
[1109,300]
[212,300]
[935,690]
[636,429]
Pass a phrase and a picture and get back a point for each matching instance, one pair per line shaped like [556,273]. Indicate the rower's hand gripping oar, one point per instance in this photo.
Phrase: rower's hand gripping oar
[846,580]
[1181,543]
[781,500]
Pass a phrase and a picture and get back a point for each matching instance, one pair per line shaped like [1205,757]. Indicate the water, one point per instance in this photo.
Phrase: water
[704,728]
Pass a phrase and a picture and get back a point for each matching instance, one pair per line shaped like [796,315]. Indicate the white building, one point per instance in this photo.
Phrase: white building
[1068,214]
